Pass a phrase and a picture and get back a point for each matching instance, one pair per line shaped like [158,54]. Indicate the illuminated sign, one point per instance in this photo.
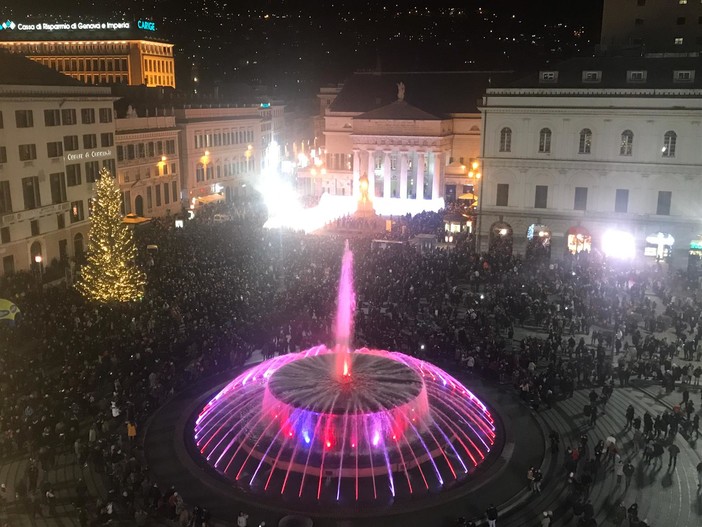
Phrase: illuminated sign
[10,25]
[148,26]
[90,154]
[265,105]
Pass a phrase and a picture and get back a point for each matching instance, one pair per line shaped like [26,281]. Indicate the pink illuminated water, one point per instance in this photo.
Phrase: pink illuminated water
[343,426]
[346,305]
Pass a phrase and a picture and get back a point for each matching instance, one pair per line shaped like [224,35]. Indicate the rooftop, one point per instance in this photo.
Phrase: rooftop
[20,71]
[648,72]
[437,93]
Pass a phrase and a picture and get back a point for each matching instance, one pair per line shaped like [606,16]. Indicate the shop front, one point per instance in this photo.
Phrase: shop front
[659,246]
[501,238]
[538,241]
[578,239]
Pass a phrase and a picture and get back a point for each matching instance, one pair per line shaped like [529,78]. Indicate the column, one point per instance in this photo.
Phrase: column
[371,174]
[437,179]
[403,175]
[356,173]
[387,175]
[419,185]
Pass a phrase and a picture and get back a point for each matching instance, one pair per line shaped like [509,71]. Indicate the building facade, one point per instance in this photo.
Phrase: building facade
[148,165]
[55,136]
[221,148]
[652,25]
[118,53]
[416,135]
[595,154]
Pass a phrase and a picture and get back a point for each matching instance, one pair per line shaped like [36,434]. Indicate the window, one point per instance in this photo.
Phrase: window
[680,21]
[683,75]
[166,195]
[149,201]
[54,149]
[174,191]
[92,171]
[73,176]
[105,115]
[641,2]
[30,192]
[130,152]
[199,173]
[506,140]
[540,196]
[3,154]
[87,115]
[585,141]
[545,141]
[663,207]
[678,41]
[170,146]
[157,188]
[682,2]
[34,227]
[580,201]
[76,212]
[638,21]
[27,152]
[8,265]
[5,235]
[5,197]
[52,117]
[110,165]
[58,187]
[2,123]
[120,153]
[669,140]
[70,143]
[592,76]
[699,19]
[24,118]
[141,151]
[627,143]
[89,141]
[502,195]
[636,76]
[61,221]
[548,76]
[621,200]
[68,117]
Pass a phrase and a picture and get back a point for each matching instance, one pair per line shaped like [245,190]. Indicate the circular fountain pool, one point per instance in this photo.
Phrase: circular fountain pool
[389,426]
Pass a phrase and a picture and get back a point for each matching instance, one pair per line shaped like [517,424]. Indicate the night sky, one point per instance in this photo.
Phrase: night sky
[293,46]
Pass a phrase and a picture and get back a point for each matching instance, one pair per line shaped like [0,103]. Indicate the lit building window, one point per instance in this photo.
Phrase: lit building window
[506,140]
[545,141]
[627,143]
[585,141]
[669,140]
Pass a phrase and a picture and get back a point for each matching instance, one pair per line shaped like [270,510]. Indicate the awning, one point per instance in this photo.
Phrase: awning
[468,195]
[210,198]
[133,219]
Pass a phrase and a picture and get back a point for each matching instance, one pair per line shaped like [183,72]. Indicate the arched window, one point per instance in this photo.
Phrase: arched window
[506,140]
[627,143]
[545,141]
[669,140]
[585,141]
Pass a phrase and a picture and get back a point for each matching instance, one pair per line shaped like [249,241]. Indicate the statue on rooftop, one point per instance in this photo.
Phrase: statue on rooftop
[400,91]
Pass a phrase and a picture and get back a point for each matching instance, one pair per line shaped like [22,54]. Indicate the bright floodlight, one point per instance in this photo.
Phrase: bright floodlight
[619,245]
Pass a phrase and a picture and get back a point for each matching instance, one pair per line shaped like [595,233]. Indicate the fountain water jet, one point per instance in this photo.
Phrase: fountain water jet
[346,305]
[342,426]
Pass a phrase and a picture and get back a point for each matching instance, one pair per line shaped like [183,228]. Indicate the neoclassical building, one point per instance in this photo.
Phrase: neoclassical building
[56,133]
[416,135]
[595,154]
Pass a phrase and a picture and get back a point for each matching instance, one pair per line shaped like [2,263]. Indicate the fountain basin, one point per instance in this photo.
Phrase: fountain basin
[396,426]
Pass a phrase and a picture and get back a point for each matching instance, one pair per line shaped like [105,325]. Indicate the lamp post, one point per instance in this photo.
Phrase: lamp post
[40,268]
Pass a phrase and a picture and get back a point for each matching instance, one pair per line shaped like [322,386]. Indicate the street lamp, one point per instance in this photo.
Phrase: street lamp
[40,268]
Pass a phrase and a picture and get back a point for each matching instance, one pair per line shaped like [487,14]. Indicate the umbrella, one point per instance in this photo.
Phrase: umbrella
[8,310]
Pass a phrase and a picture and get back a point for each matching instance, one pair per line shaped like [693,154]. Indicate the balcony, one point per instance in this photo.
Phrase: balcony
[32,214]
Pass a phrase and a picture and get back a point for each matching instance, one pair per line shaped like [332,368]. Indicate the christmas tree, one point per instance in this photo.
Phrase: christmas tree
[110,274]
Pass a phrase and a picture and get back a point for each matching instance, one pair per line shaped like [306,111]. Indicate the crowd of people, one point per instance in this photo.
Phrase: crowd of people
[84,378]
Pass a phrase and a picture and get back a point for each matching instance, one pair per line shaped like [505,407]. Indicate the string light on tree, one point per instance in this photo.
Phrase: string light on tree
[111,274]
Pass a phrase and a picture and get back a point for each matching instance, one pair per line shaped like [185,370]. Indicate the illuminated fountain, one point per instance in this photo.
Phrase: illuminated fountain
[342,426]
